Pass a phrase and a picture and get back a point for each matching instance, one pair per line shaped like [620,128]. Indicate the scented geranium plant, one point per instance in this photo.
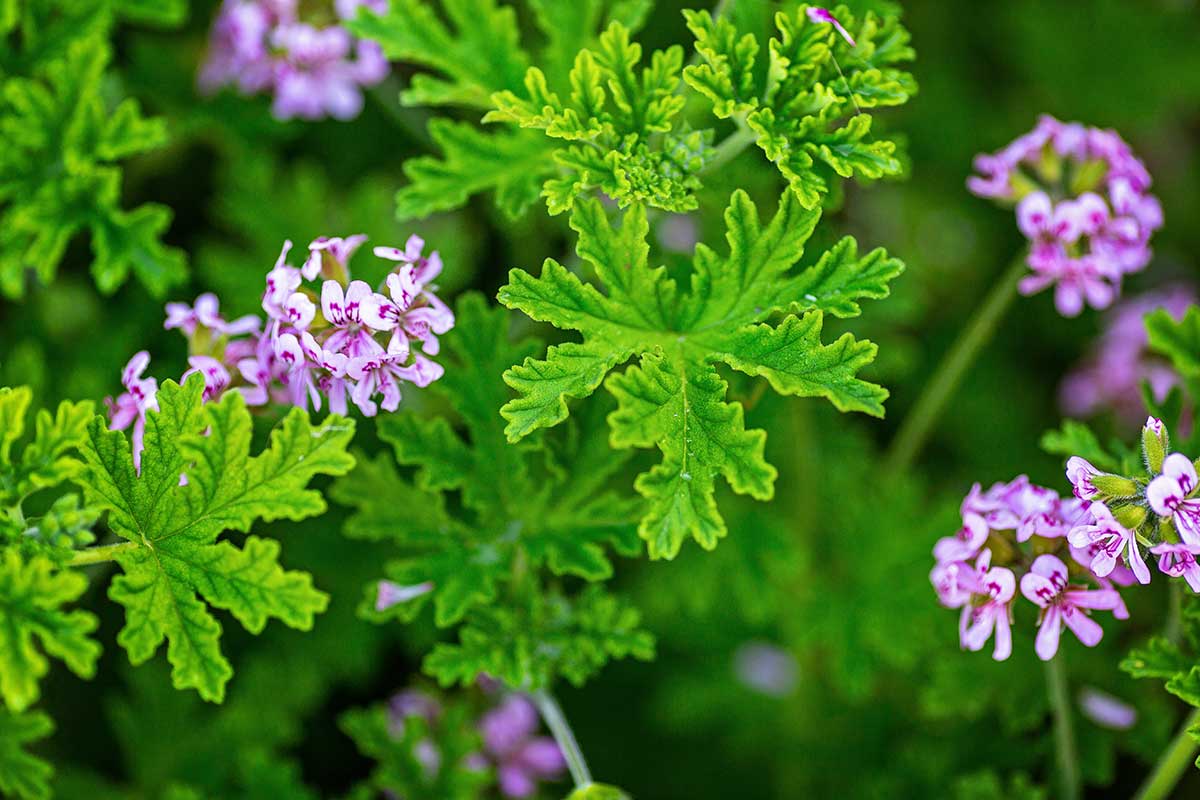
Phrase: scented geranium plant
[499,407]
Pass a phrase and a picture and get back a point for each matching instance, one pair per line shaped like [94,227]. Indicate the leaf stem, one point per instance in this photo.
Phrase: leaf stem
[730,147]
[97,555]
[917,425]
[556,721]
[1064,730]
[1172,764]
[1174,623]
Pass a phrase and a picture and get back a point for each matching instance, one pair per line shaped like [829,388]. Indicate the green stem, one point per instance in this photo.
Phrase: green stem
[916,427]
[1064,730]
[1172,764]
[730,147]
[1174,623]
[556,721]
[97,555]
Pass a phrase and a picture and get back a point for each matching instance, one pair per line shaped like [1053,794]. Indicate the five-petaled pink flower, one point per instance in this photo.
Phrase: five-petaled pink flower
[1179,560]
[1046,585]
[141,395]
[964,544]
[989,609]
[1111,539]
[1169,496]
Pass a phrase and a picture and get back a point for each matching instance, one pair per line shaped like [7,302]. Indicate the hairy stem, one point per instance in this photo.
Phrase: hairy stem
[916,427]
[1064,731]
[556,721]
[1172,763]
[98,555]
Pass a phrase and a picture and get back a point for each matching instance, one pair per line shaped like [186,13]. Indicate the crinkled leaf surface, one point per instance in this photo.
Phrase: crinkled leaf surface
[805,106]
[175,567]
[32,594]
[674,398]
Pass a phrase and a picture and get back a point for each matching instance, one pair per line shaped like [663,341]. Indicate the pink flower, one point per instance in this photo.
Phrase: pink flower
[141,396]
[1046,586]
[1111,539]
[1169,496]
[954,582]
[304,358]
[336,248]
[206,313]
[1107,711]
[990,613]
[965,544]
[1179,560]
[1111,375]
[521,758]
[1082,244]
[391,594]
[1080,473]
[344,312]
[216,377]
[264,45]
[823,15]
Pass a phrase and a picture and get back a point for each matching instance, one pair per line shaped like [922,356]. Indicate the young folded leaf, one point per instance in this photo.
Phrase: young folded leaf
[806,105]
[197,481]
[473,50]
[45,463]
[674,398]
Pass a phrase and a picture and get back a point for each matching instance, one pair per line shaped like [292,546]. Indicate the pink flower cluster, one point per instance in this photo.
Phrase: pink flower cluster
[1020,529]
[1111,374]
[1007,516]
[313,70]
[511,745]
[342,342]
[1083,202]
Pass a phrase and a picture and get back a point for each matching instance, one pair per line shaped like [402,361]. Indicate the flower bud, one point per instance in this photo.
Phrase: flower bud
[1130,516]
[1114,485]
[1156,443]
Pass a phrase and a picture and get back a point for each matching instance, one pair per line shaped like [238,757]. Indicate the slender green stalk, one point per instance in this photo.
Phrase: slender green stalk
[916,427]
[1172,764]
[556,721]
[1174,625]
[98,555]
[730,147]
[1064,731]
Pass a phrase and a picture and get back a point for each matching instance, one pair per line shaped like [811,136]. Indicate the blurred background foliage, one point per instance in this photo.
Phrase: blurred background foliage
[865,692]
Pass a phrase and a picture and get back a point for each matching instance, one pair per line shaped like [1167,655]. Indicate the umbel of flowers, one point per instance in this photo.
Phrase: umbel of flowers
[326,339]
[1082,199]
[1068,555]
[297,51]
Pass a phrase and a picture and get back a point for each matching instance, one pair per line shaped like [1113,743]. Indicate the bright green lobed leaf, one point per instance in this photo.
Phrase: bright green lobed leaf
[805,106]
[58,173]
[174,563]
[23,775]
[674,398]
[32,594]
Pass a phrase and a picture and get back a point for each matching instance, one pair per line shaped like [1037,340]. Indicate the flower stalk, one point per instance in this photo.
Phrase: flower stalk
[918,424]
[1173,762]
[556,721]
[1064,731]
